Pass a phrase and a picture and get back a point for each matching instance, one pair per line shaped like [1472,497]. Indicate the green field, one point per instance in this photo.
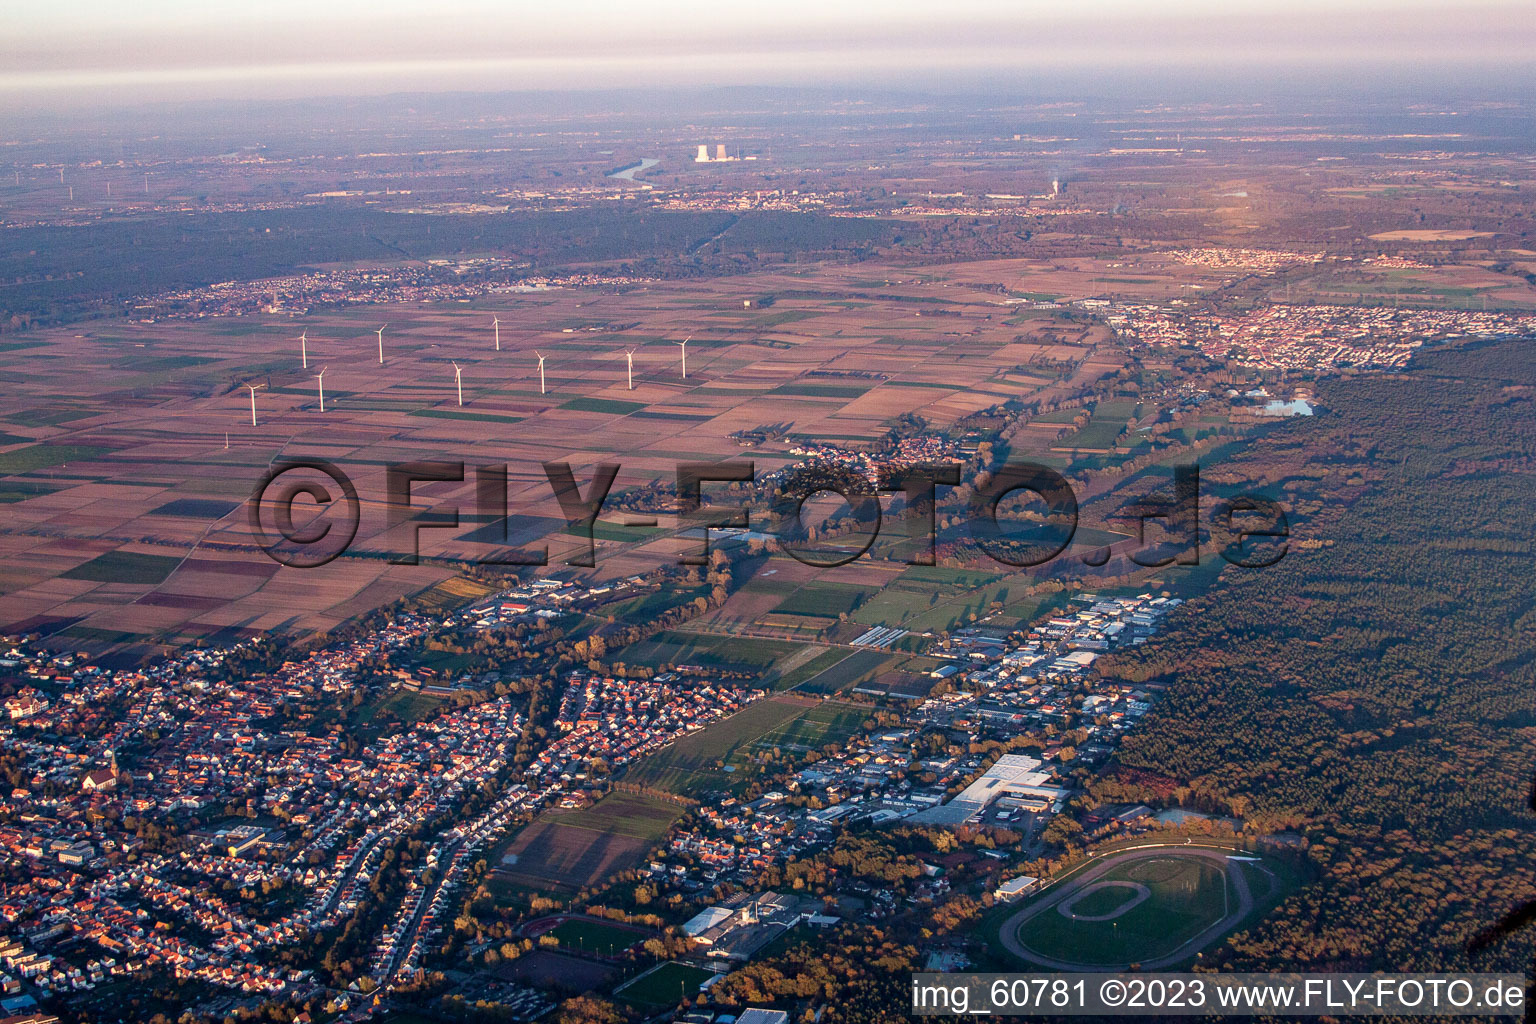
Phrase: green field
[51,417]
[817,664]
[670,983]
[807,390]
[894,605]
[196,508]
[124,567]
[1108,421]
[565,848]
[1188,895]
[455,414]
[162,364]
[592,936]
[623,814]
[957,611]
[648,606]
[451,593]
[822,599]
[692,765]
[406,705]
[602,530]
[608,405]
[92,634]
[21,490]
[919,576]
[674,647]
[1056,416]
[847,672]
[41,456]
[936,599]
[830,722]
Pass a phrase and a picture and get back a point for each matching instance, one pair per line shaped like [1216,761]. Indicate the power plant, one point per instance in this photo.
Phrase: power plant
[720,155]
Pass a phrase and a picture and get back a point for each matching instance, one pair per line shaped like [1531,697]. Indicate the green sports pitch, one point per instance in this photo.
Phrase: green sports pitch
[1141,909]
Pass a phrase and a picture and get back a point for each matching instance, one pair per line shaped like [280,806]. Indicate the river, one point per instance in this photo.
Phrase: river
[628,173]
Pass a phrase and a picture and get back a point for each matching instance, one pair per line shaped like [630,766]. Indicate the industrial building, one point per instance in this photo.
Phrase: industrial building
[1014,777]
[743,924]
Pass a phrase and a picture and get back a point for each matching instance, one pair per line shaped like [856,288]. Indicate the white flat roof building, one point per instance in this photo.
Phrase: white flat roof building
[704,920]
[1015,887]
[1012,774]
[754,1015]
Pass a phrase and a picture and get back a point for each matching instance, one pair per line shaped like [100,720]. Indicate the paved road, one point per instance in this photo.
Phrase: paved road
[1066,890]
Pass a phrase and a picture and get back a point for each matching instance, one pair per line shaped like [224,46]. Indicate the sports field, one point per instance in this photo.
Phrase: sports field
[1150,907]
[586,935]
[668,984]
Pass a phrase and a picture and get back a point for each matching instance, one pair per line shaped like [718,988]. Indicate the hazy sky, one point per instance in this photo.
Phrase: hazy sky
[98,52]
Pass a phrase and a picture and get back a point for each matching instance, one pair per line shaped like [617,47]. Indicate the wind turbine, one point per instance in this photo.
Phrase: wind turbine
[541,373]
[253,388]
[630,358]
[684,344]
[304,348]
[496,324]
[380,333]
[458,381]
[320,377]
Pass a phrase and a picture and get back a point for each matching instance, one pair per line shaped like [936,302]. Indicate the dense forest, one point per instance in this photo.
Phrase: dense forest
[1375,690]
[50,274]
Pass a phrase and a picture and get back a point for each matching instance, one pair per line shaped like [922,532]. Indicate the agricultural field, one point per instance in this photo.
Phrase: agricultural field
[719,756]
[674,647]
[576,848]
[811,662]
[1104,427]
[125,434]
[846,672]
[828,722]
[829,599]
[124,567]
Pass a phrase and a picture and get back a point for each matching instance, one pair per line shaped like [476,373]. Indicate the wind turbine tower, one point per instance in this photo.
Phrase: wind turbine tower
[630,358]
[684,344]
[304,348]
[320,379]
[253,388]
[541,373]
[496,323]
[458,381]
[380,333]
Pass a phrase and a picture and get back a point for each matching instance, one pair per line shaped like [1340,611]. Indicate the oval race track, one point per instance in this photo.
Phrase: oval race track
[1082,884]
